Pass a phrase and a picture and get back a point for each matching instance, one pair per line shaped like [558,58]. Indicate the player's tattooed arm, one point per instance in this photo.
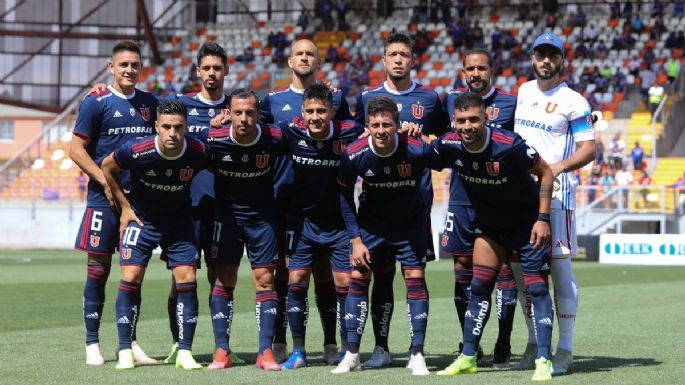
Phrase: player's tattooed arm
[111,170]
[541,233]
[78,153]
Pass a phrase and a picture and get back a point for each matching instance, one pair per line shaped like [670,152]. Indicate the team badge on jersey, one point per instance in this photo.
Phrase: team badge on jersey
[338,147]
[404,169]
[399,107]
[125,253]
[417,110]
[475,165]
[386,170]
[492,112]
[145,113]
[245,158]
[94,240]
[492,168]
[169,172]
[551,107]
[319,145]
[211,112]
[445,240]
[186,174]
[262,160]
[132,111]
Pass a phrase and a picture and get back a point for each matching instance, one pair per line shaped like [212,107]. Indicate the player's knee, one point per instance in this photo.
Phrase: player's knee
[341,279]
[263,278]
[483,281]
[413,273]
[225,275]
[358,274]
[299,276]
[536,285]
[184,274]
[132,273]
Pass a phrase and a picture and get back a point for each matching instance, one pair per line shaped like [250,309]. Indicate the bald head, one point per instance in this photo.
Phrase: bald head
[304,58]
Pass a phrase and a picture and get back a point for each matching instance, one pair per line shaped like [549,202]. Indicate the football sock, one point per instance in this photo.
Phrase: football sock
[462,289]
[326,303]
[417,306]
[266,304]
[479,307]
[356,311]
[221,308]
[298,312]
[542,314]
[126,311]
[525,301]
[134,325]
[171,312]
[506,305]
[341,296]
[94,299]
[382,306]
[186,313]
[566,300]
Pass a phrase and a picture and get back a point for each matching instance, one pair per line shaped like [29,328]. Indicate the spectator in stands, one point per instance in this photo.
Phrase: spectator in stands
[649,56]
[599,149]
[678,9]
[615,9]
[601,84]
[462,8]
[591,33]
[581,50]
[302,20]
[644,181]
[579,18]
[624,179]
[601,50]
[679,186]
[657,9]
[445,11]
[618,147]
[591,99]
[593,182]
[247,56]
[672,67]
[422,40]
[617,43]
[627,10]
[637,154]
[634,66]
[619,82]
[679,40]
[551,21]
[607,183]
[477,35]
[496,40]
[342,14]
[433,12]
[457,32]
[636,25]
[332,55]
[550,6]
[324,11]
[647,78]
[82,185]
[657,30]
[656,94]
[629,41]
[671,42]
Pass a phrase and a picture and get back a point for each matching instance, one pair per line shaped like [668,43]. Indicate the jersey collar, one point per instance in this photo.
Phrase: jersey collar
[396,92]
[119,94]
[492,91]
[485,145]
[397,143]
[296,90]
[211,102]
[256,139]
[330,133]
[180,154]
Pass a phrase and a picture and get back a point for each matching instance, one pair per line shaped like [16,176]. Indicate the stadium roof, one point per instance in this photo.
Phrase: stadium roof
[7,110]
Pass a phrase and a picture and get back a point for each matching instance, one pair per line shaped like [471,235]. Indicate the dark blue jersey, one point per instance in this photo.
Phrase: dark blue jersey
[500,107]
[200,112]
[244,173]
[390,188]
[108,121]
[284,105]
[315,166]
[496,179]
[160,185]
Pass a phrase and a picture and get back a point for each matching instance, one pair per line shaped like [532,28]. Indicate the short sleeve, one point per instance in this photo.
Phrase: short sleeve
[343,110]
[360,113]
[440,120]
[89,118]
[522,156]
[265,116]
[347,176]
[124,156]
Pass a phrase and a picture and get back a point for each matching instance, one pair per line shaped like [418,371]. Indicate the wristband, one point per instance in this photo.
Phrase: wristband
[543,217]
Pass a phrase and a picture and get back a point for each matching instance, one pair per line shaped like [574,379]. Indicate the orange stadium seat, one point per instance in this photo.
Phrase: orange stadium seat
[266,51]
[231,60]
[434,34]
[385,35]
[201,31]
[354,36]
[288,29]
[264,76]
[514,32]
[256,84]
[438,65]
[194,46]
[421,74]
[211,37]
[256,44]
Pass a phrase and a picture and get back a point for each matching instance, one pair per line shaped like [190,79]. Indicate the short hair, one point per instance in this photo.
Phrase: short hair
[467,100]
[318,92]
[126,45]
[172,107]
[380,104]
[399,38]
[243,93]
[211,48]
[478,51]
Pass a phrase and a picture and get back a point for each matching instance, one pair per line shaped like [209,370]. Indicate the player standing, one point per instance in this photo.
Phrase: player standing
[389,226]
[511,214]
[457,239]
[159,214]
[556,120]
[284,105]
[105,122]
[315,227]
[420,112]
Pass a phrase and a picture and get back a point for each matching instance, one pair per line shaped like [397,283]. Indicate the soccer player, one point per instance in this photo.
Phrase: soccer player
[159,214]
[315,227]
[556,120]
[104,122]
[511,214]
[243,155]
[284,105]
[457,239]
[420,112]
[389,226]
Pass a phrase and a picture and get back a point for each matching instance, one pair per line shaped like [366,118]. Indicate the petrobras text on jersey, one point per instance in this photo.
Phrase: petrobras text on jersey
[315,162]
[129,130]
[238,174]
[492,181]
[533,124]
[395,184]
[642,249]
[162,187]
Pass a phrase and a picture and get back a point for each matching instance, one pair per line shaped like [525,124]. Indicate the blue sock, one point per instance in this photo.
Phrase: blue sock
[506,306]
[341,296]
[382,306]
[298,312]
[326,303]
[281,286]
[171,312]
[221,307]
[479,307]
[417,312]
[462,290]
[543,314]
[134,326]
[94,299]
[265,312]
[356,311]
[186,313]
[126,310]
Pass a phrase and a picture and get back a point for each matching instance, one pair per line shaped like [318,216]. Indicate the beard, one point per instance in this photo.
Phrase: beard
[479,89]
[303,74]
[552,73]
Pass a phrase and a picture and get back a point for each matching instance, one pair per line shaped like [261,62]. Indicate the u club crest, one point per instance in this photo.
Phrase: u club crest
[262,160]
[492,112]
[186,174]
[492,168]
[338,147]
[145,113]
[404,170]
[417,110]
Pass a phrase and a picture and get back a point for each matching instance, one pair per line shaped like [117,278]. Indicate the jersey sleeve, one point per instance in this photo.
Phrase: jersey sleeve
[359,113]
[440,120]
[447,107]
[343,111]
[124,156]
[346,180]
[433,157]
[89,118]
[580,121]
[265,116]
[522,156]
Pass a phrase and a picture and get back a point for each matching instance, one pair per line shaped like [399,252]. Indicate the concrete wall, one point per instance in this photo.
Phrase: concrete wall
[25,130]
[49,227]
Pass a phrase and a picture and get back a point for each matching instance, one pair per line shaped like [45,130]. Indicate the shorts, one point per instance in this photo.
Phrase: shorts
[233,232]
[533,261]
[564,238]
[306,241]
[99,231]
[406,245]
[460,227]
[176,239]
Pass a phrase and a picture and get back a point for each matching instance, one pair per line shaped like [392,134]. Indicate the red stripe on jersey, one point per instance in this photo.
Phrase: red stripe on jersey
[144,145]
[279,90]
[409,140]
[191,94]
[343,125]
[357,146]
[452,136]
[84,231]
[299,123]
[222,132]
[195,145]
[500,138]
[460,90]
[503,92]
[273,131]
[425,87]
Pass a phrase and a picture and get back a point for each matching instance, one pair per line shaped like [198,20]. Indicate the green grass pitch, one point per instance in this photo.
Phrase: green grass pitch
[630,329]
